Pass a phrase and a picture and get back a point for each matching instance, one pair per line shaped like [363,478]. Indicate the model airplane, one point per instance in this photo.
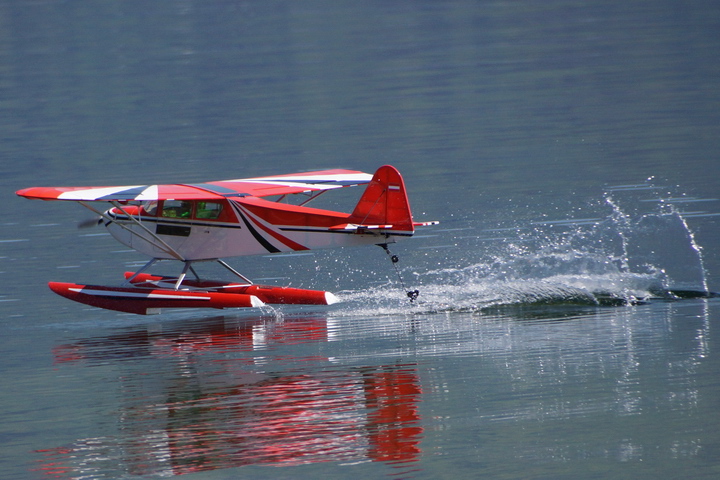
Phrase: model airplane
[210,221]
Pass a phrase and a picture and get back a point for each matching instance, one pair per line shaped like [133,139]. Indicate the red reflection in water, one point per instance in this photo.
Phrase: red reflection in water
[239,413]
[393,424]
[212,335]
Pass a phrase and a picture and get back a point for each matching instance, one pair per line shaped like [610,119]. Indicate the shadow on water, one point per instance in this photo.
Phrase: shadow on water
[220,396]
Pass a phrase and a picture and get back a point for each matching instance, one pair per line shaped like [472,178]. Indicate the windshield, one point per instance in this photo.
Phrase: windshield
[150,207]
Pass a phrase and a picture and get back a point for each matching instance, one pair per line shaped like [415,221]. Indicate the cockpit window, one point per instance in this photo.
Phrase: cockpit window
[177,209]
[208,210]
[150,208]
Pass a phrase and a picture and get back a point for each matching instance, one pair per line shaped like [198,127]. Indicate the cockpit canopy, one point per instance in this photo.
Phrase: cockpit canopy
[190,209]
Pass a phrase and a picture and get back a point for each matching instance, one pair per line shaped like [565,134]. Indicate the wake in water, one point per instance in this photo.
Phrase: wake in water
[625,258]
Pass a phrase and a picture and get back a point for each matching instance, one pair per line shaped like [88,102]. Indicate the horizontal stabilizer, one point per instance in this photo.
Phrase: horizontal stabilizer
[354,227]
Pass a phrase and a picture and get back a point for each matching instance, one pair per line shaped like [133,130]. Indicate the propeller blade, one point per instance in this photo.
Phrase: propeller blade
[90,222]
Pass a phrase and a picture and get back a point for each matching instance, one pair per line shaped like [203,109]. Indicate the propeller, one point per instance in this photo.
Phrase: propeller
[90,222]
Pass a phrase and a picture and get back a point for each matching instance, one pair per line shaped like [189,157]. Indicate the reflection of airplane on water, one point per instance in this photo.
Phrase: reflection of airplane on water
[207,335]
[209,412]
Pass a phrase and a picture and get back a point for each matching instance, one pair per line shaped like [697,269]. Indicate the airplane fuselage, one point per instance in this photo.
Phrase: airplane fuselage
[204,230]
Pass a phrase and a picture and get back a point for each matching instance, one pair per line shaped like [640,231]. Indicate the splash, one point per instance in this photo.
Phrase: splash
[696,248]
[661,238]
[631,255]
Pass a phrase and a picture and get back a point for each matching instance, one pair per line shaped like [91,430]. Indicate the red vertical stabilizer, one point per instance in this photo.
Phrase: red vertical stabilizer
[384,202]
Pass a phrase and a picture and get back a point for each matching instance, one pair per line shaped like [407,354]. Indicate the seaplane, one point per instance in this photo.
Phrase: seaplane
[207,222]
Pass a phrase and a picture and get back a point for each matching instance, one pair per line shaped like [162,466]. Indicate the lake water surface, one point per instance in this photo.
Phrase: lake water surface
[563,330]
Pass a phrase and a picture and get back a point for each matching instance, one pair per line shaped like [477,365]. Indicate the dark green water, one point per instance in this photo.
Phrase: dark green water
[569,150]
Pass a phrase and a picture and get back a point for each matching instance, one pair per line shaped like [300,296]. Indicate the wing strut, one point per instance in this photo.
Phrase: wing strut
[312,197]
[159,242]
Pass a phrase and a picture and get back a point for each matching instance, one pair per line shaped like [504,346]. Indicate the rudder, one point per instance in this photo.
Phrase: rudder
[385,201]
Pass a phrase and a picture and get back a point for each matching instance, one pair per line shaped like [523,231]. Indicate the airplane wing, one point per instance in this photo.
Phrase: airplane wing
[243,187]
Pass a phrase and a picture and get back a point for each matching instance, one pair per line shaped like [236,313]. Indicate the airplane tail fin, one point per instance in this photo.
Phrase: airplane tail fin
[385,204]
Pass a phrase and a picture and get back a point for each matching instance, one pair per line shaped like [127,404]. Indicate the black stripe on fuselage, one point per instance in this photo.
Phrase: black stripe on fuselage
[260,239]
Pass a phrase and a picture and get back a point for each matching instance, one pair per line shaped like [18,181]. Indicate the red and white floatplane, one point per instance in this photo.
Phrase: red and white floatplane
[206,222]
